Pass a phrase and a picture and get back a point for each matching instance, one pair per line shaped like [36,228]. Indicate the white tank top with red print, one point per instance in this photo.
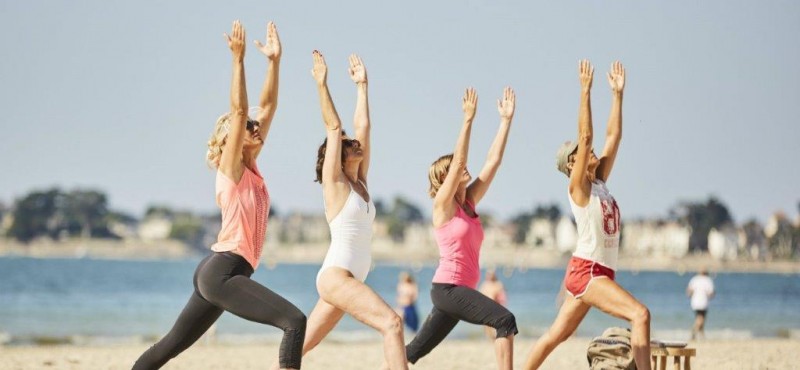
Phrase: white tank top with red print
[598,227]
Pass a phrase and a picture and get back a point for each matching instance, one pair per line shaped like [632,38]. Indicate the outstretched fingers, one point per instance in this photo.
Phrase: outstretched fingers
[356,69]
[469,103]
[507,103]
[470,96]
[272,32]
[319,59]
[585,73]
[320,69]
[236,39]
[616,77]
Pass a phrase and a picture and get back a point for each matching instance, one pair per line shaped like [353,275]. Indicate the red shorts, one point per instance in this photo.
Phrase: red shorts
[580,273]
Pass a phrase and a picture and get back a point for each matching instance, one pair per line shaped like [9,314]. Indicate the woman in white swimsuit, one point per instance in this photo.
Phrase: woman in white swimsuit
[342,166]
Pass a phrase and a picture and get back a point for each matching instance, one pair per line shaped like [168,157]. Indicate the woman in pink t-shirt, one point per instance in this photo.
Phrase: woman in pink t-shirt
[589,278]
[222,280]
[459,234]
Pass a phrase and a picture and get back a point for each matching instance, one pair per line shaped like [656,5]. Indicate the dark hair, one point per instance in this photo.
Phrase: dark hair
[321,155]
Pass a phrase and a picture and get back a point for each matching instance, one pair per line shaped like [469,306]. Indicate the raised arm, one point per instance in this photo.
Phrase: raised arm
[616,78]
[332,168]
[478,188]
[230,163]
[446,193]
[358,73]
[268,102]
[579,186]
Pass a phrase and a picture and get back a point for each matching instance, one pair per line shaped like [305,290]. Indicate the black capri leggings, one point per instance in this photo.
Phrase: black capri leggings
[452,303]
[222,283]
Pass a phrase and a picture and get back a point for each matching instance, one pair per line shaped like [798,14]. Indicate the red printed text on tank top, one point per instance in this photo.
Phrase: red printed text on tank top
[610,216]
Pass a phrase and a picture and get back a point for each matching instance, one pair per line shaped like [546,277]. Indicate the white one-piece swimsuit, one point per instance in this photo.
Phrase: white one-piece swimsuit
[351,236]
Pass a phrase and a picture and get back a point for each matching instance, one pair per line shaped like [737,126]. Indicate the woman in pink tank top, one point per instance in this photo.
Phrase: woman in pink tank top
[589,278]
[459,234]
[222,280]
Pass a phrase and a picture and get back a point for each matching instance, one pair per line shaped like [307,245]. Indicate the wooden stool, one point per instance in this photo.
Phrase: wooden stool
[676,353]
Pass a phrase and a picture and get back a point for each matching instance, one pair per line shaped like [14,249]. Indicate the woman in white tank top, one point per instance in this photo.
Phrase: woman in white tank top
[342,166]
[590,275]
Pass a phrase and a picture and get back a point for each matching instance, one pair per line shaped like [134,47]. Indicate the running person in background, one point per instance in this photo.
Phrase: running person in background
[493,288]
[700,290]
[342,166]
[222,280]
[590,274]
[407,294]
[459,234]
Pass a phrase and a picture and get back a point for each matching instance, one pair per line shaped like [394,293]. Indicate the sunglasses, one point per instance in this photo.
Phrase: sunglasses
[252,124]
[350,142]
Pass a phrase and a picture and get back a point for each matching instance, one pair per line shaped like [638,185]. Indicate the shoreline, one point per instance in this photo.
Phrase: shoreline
[504,258]
[362,336]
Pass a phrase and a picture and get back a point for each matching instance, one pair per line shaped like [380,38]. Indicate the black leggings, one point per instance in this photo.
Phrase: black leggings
[222,283]
[452,303]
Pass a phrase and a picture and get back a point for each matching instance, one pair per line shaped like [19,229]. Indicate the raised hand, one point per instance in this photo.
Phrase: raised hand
[320,70]
[469,103]
[273,47]
[616,77]
[236,40]
[585,74]
[506,105]
[358,73]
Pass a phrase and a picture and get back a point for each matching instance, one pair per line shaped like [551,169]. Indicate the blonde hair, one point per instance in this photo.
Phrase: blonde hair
[438,172]
[217,141]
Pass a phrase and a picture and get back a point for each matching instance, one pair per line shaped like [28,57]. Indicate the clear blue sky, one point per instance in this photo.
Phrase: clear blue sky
[121,96]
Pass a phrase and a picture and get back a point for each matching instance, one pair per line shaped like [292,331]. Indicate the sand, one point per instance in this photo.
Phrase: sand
[467,354]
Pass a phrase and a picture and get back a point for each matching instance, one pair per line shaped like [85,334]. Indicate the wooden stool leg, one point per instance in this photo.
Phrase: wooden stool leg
[662,362]
[676,363]
[654,361]
[686,364]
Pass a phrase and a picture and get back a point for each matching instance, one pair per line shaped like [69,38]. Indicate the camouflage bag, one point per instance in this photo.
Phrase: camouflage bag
[612,350]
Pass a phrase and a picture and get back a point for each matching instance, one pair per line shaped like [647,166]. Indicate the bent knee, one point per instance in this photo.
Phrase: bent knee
[297,320]
[392,323]
[641,314]
[506,326]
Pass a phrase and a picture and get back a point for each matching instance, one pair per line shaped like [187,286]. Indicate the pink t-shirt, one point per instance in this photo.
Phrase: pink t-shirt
[244,207]
[459,243]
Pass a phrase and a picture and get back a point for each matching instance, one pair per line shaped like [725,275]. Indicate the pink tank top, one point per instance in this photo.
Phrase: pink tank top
[459,243]
[244,207]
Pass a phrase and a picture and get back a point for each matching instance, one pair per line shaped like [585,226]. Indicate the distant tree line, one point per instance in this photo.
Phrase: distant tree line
[401,214]
[54,213]
[85,213]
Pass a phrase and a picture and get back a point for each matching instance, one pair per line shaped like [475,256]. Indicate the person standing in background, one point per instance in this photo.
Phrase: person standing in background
[407,294]
[493,288]
[700,290]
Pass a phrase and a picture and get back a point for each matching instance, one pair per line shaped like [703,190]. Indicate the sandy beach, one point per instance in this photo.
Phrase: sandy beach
[467,354]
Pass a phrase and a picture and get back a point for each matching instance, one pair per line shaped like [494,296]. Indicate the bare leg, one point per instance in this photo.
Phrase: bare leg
[569,317]
[338,288]
[609,297]
[321,321]
[699,326]
[504,352]
[490,332]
